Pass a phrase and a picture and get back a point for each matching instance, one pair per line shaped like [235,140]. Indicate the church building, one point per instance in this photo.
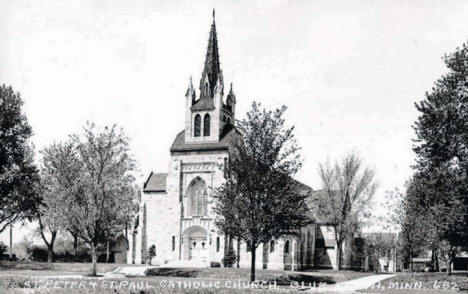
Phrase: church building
[175,214]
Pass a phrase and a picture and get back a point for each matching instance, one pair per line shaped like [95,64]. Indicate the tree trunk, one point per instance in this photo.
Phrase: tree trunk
[11,241]
[50,253]
[252,264]
[450,259]
[411,264]
[339,249]
[238,252]
[377,262]
[94,261]
[75,245]
[107,252]
[226,247]
[50,246]
[366,262]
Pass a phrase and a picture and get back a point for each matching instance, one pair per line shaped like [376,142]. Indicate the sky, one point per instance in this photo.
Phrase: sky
[348,71]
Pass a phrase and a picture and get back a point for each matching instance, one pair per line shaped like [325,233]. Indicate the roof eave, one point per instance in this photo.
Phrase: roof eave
[199,148]
[154,191]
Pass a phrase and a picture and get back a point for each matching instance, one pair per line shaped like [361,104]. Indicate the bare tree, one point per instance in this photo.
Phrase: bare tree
[348,189]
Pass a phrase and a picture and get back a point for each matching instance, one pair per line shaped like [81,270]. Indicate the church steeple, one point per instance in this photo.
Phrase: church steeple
[212,70]
[208,115]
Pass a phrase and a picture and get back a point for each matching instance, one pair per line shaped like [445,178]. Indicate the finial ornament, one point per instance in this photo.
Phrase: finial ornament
[213,14]
[190,83]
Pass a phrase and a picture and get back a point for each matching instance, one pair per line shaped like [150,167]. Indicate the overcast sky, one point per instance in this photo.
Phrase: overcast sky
[349,71]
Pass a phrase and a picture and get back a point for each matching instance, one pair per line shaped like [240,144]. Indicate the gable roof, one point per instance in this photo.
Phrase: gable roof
[303,188]
[203,103]
[156,182]
[228,137]
[311,202]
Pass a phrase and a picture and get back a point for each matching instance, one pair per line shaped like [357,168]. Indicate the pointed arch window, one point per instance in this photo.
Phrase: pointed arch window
[197,128]
[197,197]
[286,247]
[206,125]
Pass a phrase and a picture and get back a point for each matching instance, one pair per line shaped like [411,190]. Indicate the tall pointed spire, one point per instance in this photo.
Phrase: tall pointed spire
[212,70]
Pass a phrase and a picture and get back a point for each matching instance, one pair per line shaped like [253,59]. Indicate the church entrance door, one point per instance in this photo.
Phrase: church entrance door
[198,249]
[197,244]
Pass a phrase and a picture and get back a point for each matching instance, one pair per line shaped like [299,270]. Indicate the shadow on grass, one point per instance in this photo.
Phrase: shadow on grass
[283,279]
[24,266]
[172,272]
[286,280]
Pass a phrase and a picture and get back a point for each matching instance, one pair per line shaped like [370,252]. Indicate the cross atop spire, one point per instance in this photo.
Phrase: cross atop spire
[212,70]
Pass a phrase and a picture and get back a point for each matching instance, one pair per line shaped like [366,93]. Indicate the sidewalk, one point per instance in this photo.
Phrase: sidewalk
[352,285]
[134,271]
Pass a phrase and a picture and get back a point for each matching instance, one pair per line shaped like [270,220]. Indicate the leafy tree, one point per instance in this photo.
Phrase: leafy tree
[18,174]
[260,200]
[105,203]
[370,253]
[348,189]
[442,154]
[406,216]
[60,178]
[380,246]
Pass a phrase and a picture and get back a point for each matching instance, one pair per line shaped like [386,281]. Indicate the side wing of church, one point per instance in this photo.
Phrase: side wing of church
[175,214]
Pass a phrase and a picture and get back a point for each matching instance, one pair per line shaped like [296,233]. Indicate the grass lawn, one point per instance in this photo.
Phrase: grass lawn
[433,283]
[18,277]
[51,269]
[318,276]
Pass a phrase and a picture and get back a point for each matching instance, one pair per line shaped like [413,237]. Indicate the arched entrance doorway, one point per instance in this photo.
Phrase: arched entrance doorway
[196,244]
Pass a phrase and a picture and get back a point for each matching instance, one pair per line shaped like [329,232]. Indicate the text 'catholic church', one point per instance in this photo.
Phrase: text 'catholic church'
[175,210]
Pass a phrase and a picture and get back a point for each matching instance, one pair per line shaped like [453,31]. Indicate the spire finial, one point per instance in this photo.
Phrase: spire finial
[213,15]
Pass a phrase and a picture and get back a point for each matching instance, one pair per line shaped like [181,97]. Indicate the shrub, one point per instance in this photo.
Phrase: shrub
[230,258]
[39,253]
[151,253]
[3,248]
